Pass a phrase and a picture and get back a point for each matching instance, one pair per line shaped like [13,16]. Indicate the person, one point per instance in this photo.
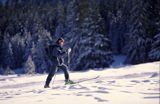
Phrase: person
[56,54]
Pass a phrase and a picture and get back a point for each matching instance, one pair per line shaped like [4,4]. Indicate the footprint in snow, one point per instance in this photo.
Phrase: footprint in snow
[100,100]
[37,91]
[79,95]
[126,91]
[59,87]
[8,97]
[74,87]
[154,75]
[146,81]
[88,95]
[110,82]
[152,97]
[55,94]
[102,88]
[99,91]
[99,82]
[135,81]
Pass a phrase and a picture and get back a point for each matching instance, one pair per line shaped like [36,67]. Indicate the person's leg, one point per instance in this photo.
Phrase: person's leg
[50,75]
[65,70]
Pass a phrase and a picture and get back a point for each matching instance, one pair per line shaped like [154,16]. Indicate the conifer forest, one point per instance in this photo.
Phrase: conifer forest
[95,30]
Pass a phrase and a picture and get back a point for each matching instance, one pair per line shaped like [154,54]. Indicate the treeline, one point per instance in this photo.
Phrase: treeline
[94,29]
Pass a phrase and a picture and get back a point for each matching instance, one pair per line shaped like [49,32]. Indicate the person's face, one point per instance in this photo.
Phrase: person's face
[61,42]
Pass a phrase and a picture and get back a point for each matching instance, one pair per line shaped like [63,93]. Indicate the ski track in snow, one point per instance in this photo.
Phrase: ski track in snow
[109,88]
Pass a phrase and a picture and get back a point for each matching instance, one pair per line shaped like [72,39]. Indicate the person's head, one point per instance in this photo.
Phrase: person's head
[60,41]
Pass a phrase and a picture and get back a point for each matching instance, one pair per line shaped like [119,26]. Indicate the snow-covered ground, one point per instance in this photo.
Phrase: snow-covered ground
[137,84]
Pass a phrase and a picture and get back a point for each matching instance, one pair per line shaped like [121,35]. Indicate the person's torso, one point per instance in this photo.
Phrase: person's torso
[56,59]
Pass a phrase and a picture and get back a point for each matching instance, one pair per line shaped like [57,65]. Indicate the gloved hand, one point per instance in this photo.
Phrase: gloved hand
[69,50]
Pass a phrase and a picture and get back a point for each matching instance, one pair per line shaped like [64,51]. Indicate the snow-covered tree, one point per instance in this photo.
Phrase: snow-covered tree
[1,70]
[8,71]
[1,41]
[38,50]
[29,66]
[37,56]
[154,54]
[18,47]
[116,32]
[139,40]
[94,48]
[28,44]
[72,28]
[60,16]
[7,53]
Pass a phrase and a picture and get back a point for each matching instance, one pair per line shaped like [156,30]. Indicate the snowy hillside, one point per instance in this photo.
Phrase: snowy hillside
[128,85]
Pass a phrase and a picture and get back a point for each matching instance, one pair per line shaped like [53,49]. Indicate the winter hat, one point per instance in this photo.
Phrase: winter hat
[60,39]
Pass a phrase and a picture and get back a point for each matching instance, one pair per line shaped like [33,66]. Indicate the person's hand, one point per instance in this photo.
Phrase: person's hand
[69,50]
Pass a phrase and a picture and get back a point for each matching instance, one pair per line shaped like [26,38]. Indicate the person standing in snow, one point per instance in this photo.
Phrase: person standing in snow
[56,53]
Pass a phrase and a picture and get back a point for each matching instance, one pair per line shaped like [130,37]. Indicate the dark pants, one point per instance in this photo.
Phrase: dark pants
[53,70]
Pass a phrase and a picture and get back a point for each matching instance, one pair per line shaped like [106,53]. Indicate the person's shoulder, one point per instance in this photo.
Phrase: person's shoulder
[54,46]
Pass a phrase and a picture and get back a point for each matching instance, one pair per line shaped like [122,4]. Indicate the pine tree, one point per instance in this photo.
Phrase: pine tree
[29,66]
[72,29]
[1,41]
[18,48]
[118,24]
[37,56]
[154,54]
[1,70]
[60,19]
[155,50]
[139,38]
[38,50]
[8,71]
[7,53]
[28,44]
[94,47]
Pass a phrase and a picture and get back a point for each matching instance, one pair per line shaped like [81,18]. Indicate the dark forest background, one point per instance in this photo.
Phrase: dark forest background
[96,30]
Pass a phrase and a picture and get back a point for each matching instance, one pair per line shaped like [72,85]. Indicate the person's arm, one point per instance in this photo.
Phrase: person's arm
[58,53]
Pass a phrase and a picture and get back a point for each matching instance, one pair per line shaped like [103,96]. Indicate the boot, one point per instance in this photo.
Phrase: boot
[46,86]
[69,82]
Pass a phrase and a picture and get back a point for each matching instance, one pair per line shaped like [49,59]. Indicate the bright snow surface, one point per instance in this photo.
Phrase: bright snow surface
[138,84]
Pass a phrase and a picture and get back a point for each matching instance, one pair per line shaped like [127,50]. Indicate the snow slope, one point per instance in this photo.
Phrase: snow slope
[128,85]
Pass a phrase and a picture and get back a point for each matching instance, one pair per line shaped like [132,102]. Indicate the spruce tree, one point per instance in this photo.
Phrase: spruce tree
[8,71]
[18,49]
[154,53]
[94,48]
[72,29]
[7,53]
[29,66]
[60,17]
[139,38]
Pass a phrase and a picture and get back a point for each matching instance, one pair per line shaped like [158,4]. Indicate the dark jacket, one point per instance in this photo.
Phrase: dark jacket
[56,53]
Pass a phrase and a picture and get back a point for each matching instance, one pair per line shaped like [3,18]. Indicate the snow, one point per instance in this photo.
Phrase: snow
[137,84]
